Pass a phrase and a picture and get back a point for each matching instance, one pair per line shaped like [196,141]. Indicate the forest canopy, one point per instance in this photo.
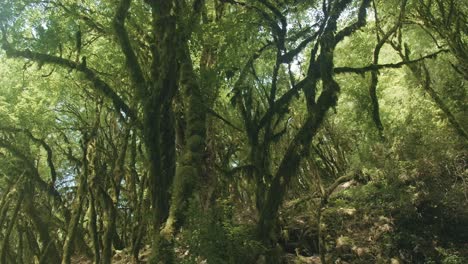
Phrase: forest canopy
[233,131]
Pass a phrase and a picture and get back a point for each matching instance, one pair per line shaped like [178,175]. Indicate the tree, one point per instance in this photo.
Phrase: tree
[162,108]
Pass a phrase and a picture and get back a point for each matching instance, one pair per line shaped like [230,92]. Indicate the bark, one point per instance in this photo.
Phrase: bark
[49,251]
[139,230]
[118,172]
[132,63]
[156,96]
[168,155]
[98,185]
[34,174]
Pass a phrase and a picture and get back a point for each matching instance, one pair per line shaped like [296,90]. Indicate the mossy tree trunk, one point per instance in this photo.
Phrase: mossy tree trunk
[49,252]
[21,246]
[190,164]
[155,94]
[109,222]
[210,81]
[137,187]
[159,138]
[92,215]
[5,202]
[5,244]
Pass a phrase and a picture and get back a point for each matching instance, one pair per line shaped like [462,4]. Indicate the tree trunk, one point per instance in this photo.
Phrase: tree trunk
[93,227]
[300,145]
[89,148]
[20,254]
[5,244]
[109,223]
[49,251]
[190,169]
[75,218]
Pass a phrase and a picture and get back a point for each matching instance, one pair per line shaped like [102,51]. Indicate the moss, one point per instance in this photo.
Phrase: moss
[187,171]
[195,143]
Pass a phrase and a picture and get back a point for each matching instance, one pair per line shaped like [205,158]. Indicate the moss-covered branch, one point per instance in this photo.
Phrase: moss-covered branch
[29,165]
[361,22]
[99,84]
[375,67]
[427,84]
[11,224]
[299,146]
[43,143]
[133,65]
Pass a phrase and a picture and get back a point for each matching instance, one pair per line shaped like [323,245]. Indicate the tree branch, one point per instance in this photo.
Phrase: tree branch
[440,103]
[47,148]
[289,56]
[374,67]
[213,113]
[99,85]
[374,74]
[50,190]
[355,26]
[133,66]
[275,11]
[75,13]
[337,182]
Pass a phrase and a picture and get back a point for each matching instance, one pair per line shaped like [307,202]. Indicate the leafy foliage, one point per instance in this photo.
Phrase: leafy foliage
[233,131]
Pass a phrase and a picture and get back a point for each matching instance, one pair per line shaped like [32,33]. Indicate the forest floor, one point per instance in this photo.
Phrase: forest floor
[120,257]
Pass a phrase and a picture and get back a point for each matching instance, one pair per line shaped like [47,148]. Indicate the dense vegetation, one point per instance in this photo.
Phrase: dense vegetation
[225,131]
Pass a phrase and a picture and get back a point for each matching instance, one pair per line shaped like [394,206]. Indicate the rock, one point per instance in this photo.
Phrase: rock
[347,211]
[344,245]
[360,251]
